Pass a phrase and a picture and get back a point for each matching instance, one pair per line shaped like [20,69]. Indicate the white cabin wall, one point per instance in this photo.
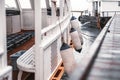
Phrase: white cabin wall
[16,24]
[13,24]
[45,18]
[110,6]
[28,20]
[9,24]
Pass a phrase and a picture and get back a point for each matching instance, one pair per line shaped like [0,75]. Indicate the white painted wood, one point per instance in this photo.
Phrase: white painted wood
[43,49]
[47,41]
[27,57]
[28,19]
[45,18]
[39,69]
[53,8]
[13,24]
[26,61]
[21,15]
[47,62]
[3,59]
[54,25]
[5,71]
[9,24]
[61,8]
[16,24]
[47,3]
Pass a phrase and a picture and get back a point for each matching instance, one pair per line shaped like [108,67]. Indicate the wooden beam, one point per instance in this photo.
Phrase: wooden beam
[3,59]
[39,65]
[58,73]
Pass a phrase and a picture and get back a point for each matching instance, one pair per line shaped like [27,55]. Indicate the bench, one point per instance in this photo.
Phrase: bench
[26,62]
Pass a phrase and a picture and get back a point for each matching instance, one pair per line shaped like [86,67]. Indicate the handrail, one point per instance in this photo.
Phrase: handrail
[47,42]
[54,25]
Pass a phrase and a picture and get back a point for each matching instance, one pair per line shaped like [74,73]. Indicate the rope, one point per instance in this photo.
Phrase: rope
[88,35]
[62,39]
[87,39]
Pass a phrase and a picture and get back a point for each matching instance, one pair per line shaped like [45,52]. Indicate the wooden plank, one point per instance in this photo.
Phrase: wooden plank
[58,73]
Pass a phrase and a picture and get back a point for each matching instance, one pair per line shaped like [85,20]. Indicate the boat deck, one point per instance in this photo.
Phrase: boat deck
[103,60]
[107,64]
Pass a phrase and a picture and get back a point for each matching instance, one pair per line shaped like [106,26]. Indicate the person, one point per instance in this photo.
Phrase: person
[98,21]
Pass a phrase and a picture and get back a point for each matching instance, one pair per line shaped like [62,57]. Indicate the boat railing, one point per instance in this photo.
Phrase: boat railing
[48,42]
[109,13]
[54,29]
[51,40]
[50,46]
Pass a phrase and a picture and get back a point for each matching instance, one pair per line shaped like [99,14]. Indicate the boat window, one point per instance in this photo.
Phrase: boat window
[10,4]
[25,4]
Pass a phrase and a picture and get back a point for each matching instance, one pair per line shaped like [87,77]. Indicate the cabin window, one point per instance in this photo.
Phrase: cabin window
[10,4]
[118,3]
[25,4]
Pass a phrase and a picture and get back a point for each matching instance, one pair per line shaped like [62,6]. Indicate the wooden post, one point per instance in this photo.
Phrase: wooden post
[47,3]
[98,21]
[5,71]
[54,7]
[61,8]
[39,68]
[3,59]
[21,14]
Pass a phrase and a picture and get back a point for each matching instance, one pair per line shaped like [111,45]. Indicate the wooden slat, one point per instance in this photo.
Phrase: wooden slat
[58,73]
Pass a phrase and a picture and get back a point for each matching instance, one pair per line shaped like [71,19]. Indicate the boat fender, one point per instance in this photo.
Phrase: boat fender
[67,58]
[75,39]
[76,24]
